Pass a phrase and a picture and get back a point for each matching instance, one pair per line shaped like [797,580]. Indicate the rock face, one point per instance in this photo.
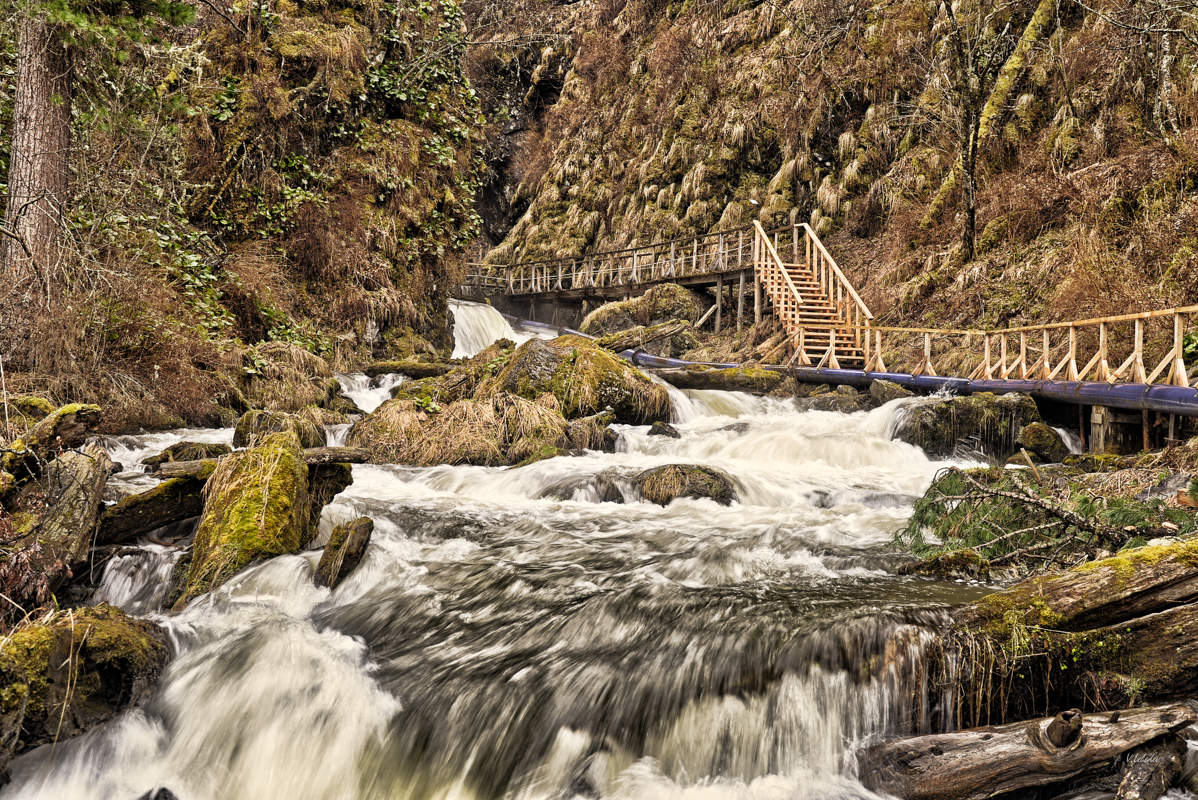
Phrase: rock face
[188,451]
[257,507]
[257,423]
[661,303]
[1043,442]
[347,544]
[983,422]
[584,378]
[663,485]
[70,671]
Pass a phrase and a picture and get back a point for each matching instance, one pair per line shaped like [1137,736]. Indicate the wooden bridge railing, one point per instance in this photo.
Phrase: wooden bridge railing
[1145,347]
[709,254]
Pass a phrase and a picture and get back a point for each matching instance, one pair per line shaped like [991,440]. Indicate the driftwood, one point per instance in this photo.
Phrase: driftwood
[312,455]
[1150,770]
[986,762]
[642,335]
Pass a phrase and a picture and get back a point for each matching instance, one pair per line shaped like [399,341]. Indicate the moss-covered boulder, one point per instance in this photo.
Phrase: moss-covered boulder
[257,506]
[1044,442]
[663,485]
[842,399]
[661,303]
[664,429]
[584,378]
[255,424]
[344,551]
[983,422]
[69,671]
[882,392]
[188,451]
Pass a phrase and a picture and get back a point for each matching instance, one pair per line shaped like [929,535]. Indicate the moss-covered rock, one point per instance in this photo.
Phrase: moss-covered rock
[188,451]
[882,392]
[255,424]
[663,485]
[982,422]
[584,378]
[344,551]
[257,506]
[664,429]
[661,303]
[71,670]
[842,399]
[1044,442]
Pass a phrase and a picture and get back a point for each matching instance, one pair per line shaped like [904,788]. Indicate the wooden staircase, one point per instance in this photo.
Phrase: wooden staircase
[821,312]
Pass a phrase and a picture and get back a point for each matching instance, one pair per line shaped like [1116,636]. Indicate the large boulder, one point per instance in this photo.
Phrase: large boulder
[882,392]
[71,670]
[257,507]
[664,302]
[983,422]
[584,378]
[843,399]
[254,424]
[755,380]
[663,485]
[1043,442]
[500,430]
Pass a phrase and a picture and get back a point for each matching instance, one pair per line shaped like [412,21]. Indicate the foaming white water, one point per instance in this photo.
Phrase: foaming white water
[368,393]
[508,629]
[477,325]
[129,450]
[137,581]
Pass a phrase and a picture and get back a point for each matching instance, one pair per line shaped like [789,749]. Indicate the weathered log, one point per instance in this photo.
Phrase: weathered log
[642,335]
[171,501]
[74,484]
[1150,770]
[986,762]
[312,455]
[188,451]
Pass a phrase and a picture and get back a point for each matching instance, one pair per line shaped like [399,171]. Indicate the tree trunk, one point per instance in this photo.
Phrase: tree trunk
[38,163]
[969,164]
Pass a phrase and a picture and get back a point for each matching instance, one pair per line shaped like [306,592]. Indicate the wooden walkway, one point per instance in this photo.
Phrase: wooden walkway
[793,275]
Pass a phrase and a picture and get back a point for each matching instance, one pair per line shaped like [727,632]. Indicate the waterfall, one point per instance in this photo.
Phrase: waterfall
[477,325]
[368,393]
[544,632]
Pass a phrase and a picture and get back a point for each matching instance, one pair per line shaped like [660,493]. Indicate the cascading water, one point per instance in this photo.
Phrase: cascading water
[368,393]
[542,632]
[476,325]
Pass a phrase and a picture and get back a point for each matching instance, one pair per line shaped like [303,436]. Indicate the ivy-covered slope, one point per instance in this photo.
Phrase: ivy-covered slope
[678,117]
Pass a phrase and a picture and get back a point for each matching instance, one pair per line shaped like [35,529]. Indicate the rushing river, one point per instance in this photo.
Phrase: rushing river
[543,633]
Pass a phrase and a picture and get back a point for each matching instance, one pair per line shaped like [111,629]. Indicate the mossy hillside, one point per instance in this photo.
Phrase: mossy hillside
[256,506]
[69,670]
[584,378]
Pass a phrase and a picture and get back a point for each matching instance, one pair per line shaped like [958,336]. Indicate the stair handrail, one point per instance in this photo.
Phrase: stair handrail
[840,276]
[779,264]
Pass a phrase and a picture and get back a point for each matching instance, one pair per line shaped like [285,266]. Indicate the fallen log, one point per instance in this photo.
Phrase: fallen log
[311,456]
[65,429]
[1150,770]
[733,379]
[410,369]
[986,762]
[173,500]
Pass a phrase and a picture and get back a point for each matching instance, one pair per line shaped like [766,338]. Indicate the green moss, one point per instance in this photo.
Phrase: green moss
[1044,442]
[257,507]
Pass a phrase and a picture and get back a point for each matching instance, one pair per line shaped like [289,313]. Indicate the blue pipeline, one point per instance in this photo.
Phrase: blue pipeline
[1133,396]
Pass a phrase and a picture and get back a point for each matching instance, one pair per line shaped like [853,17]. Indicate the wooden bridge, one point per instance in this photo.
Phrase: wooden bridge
[830,326]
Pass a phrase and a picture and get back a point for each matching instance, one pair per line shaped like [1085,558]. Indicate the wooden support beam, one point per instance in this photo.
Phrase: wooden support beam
[740,300]
[719,302]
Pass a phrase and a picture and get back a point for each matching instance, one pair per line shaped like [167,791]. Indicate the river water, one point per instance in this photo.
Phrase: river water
[543,633]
